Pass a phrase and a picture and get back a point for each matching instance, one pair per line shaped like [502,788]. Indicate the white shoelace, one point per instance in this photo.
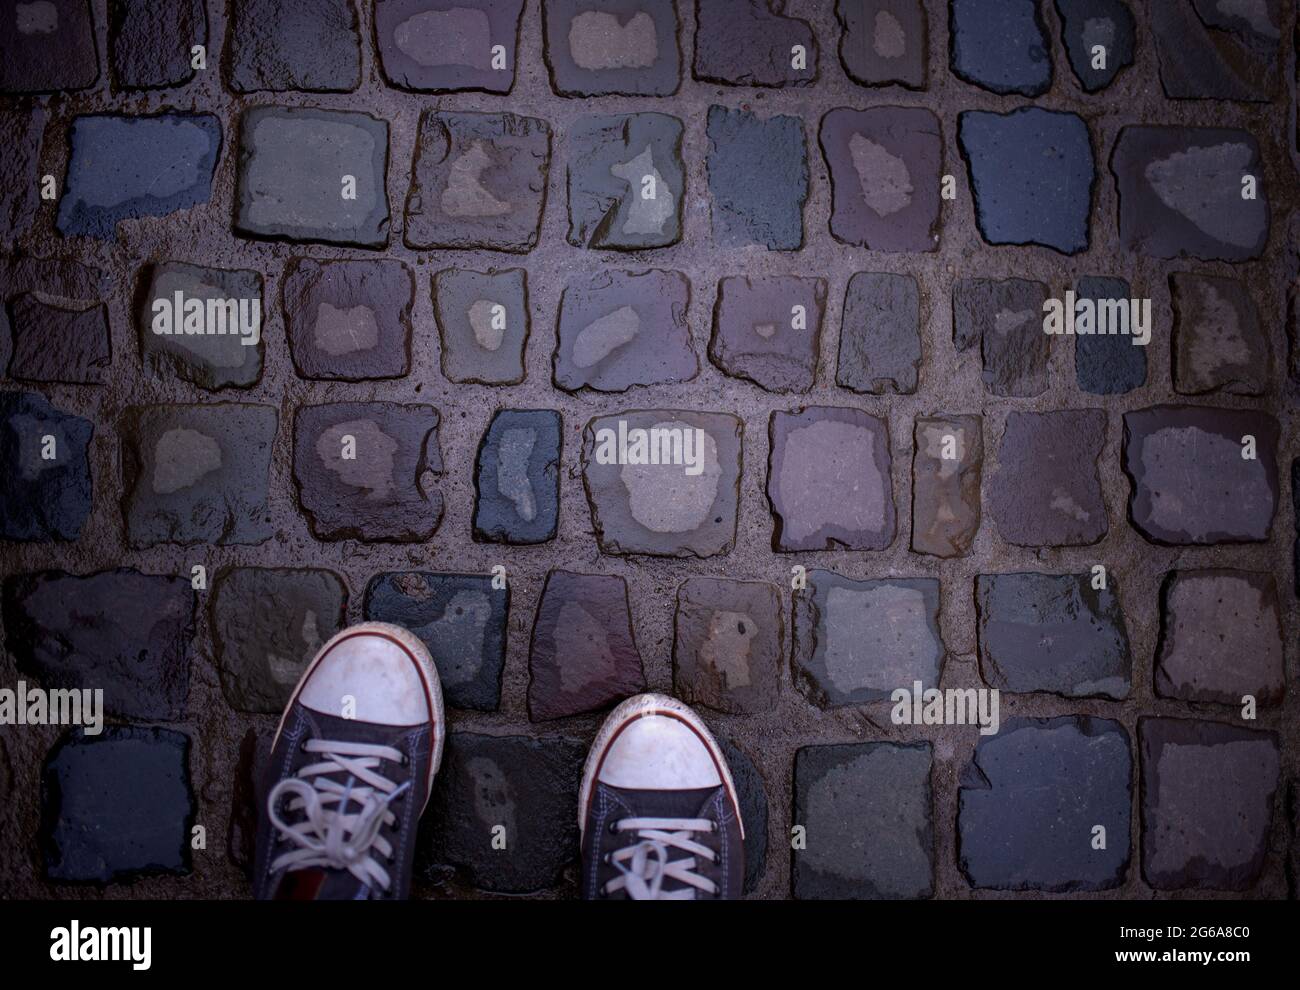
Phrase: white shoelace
[331,835]
[645,866]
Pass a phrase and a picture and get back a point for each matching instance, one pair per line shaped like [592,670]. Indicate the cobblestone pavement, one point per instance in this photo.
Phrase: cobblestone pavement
[821,233]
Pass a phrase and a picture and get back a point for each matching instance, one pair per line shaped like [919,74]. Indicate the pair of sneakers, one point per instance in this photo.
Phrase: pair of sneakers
[356,751]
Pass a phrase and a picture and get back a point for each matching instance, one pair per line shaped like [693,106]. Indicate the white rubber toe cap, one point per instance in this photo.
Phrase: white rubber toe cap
[383,674]
[659,750]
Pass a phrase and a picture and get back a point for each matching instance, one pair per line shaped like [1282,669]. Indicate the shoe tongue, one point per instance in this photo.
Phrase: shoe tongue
[669,804]
[316,884]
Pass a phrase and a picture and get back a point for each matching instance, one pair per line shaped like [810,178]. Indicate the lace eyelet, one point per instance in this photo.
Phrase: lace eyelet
[607,859]
[613,828]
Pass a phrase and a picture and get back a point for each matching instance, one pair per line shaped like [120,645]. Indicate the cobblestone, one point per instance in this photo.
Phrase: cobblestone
[117,806]
[728,645]
[1191,842]
[43,498]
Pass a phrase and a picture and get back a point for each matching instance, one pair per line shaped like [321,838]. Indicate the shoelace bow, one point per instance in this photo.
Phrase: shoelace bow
[330,834]
[644,866]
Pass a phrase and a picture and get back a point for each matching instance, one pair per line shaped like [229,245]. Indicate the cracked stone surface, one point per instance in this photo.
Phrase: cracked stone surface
[1046,489]
[884,41]
[120,631]
[947,466]
[267,625]
[1180,192]
[1109,363]
[1032,798]
[45,491]
[1190,482]
[884,165]
[1187,841]
[149,42]
[859,641]
[1218,50]
[194,346]
[626,179]
[1087,25]
[750,42]
[1053,632]
[880,337]
[197,473]
[1219,344]
[619,329]
[517,477]
[1000,45]
[47,46]
[1220,637]
[293,171]
[676,490]
[117,806]
[1005,317]
[479,181]
[829,481]
[866,809]
[521,788]
[368,470]
[125,168]
[349,320]
[767,330]
[482,324]
[1032,174]
[432,46]
[728,646]
[627,47]
[461,618]
[583,656]
[758,179]
[281,45]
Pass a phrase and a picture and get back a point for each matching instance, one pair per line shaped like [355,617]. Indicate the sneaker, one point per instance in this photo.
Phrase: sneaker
[658,809]
[352,763]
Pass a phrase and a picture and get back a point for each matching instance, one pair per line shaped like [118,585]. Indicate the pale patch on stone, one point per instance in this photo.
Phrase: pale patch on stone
[1099,31]
[460,36]
[1166,457]
[597,41]
[373,467]
[933,436]
[1219,341]
[1063,502]
[465,195]
[600,338]
[645,216]
[886,183]
[726,648]
[1204,185]
[765,330]
[494,796]
[513,451]
[1007,320]
[181,458]
[813,487]
[343,331]
[578,634]
[888,39]
[456,637]
[480,320]
[664,498]
[215,350]
[1200,656]
[875,637]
